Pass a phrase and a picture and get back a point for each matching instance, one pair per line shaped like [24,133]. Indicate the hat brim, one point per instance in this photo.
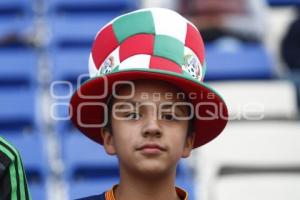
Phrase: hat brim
[88,103]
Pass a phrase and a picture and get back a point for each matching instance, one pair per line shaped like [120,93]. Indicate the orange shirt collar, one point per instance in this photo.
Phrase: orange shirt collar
[109,195]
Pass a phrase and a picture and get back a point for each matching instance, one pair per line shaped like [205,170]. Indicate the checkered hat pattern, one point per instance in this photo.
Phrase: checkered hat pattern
[149,39]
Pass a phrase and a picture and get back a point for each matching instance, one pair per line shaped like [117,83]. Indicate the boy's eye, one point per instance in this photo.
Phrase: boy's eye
[133,116]
[168,117]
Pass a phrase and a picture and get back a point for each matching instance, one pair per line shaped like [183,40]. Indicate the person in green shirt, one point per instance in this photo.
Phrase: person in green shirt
[13,183]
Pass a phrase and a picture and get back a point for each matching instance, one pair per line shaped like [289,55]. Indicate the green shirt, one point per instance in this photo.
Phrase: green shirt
[13,183]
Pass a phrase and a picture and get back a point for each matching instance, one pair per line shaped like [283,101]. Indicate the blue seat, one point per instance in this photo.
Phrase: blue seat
[69,64]
[37,191]
[187,184]
[16,19]
[90,5]
[34,157]
[86,160]
[18,111]
[231,61]
[77,30]
[14,25]
[16,6]
[88,169]
[61,93]
[79,189]
[18,67]
[33,153]
[184,179]
[284,2]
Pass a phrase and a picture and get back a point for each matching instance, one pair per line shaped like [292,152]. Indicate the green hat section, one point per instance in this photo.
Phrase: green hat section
[169,47]
[126,26]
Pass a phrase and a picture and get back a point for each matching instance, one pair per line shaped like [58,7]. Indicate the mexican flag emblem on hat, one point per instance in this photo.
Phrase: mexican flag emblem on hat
[154,44]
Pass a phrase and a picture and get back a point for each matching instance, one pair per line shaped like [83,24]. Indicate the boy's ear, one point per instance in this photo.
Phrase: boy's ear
[188,146]
[108,141]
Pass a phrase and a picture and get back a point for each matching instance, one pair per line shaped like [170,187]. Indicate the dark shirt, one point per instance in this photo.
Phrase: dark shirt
[109,195]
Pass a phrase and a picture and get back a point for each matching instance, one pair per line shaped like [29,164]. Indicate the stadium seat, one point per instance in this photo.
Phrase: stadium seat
[38,191]
[258,187]
[69,64]
[84,159]
[88,169]
[61,6]
[230,60]
[14,25]
[284,2]
[77,30]
[186,182]
[18,111]
[15,7]
[33,153]
[18,67]
[259,99]
[265,146]
[84,188]
[34,156]
[61,95]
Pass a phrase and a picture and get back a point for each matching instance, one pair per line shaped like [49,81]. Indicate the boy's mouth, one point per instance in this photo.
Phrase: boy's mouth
[151,148]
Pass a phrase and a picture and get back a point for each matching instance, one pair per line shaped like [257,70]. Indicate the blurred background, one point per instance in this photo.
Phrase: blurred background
[253,61]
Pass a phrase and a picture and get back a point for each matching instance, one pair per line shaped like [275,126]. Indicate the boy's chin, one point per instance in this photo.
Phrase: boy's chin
[153,170]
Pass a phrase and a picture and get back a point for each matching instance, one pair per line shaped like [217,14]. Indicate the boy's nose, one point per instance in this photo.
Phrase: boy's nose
[151,128]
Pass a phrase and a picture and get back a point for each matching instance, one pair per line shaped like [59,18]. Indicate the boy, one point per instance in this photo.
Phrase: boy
[146,102]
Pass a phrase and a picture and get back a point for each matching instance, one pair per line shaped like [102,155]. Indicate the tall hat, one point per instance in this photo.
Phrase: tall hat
[155,44]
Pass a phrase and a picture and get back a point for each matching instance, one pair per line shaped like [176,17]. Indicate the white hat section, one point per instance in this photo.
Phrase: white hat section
[137,61]
[169,23]
[92,68]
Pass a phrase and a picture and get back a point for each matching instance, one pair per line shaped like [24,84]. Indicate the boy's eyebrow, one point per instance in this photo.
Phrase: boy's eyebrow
[167,106]
[138,103]
[125,103]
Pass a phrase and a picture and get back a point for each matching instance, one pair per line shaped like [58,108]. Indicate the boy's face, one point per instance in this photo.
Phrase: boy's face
[149,129]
